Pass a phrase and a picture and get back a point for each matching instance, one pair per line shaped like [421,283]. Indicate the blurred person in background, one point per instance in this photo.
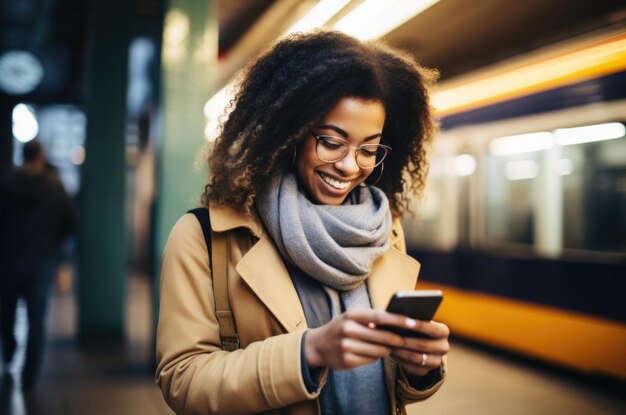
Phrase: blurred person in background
[307,182]
[36,215]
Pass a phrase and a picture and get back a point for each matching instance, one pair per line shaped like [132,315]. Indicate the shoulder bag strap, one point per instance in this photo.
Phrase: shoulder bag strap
[217,245]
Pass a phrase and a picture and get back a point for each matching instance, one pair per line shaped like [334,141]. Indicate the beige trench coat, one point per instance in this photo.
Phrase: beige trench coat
[197,377]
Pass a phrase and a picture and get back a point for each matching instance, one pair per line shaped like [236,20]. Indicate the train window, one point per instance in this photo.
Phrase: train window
[511,188]
[540,193]
[593,169]
[560,189]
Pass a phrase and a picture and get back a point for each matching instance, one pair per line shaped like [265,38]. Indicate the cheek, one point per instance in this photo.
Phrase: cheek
[305,160]
[366,174]
[300,170]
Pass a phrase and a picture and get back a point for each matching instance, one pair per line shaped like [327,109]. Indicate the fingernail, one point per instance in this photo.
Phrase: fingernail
[410,322]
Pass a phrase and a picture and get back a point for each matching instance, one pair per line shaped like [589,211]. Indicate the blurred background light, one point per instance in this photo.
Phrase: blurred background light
[77,155]
[566,167]
[518,79]
[25,125]
[216,108]
[522,143]
[464,165]
[175,36]
[318,15]
[521,169]
[589,133]
[375,18]
[21,72]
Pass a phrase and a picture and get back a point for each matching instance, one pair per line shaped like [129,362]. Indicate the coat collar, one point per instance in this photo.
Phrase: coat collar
[391,272]
[225,218]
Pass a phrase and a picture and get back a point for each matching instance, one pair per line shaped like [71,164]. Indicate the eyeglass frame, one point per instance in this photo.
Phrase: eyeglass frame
[349,146]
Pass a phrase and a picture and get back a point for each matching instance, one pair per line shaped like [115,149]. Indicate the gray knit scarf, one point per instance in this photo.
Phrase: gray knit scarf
[336,245]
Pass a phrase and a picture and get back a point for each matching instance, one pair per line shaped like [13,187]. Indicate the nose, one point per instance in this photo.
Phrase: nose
[347,165]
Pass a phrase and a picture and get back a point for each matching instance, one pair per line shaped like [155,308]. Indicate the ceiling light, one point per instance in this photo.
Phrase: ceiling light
[589,133]
[523,143]
[375,18]
[318,15]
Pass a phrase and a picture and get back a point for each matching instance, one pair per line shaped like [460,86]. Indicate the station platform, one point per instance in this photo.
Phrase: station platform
[117,379]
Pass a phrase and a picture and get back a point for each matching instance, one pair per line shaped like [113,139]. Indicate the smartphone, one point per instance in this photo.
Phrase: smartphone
[417,304]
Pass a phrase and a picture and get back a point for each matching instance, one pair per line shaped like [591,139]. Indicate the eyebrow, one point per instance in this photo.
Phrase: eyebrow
[344,133]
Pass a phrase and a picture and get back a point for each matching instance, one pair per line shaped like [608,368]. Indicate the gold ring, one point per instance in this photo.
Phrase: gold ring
[424,358]
[371,325]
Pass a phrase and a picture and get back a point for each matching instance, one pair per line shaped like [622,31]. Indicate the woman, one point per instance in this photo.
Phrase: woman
[315,250]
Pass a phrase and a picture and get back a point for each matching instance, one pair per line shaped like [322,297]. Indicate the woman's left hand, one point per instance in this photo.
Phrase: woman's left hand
[418,355]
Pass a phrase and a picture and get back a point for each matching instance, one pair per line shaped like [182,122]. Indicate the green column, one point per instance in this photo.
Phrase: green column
[188,58]
[189,55]
[102,242]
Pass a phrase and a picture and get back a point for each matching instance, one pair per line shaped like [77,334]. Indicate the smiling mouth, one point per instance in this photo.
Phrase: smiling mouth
[336,184]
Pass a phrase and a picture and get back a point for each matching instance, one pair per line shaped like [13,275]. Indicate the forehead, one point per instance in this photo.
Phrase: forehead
[358,117]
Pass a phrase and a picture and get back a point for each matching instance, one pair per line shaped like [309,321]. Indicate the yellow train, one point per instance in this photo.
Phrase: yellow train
[524,221]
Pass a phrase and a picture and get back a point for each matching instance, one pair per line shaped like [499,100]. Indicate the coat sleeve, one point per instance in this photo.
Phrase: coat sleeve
[195,375]
[407,394]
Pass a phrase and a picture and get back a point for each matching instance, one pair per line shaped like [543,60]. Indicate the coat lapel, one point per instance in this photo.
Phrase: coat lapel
[263,269]
[392,272]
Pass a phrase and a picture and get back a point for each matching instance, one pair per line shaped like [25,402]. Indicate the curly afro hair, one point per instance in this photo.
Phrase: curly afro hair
[289,89]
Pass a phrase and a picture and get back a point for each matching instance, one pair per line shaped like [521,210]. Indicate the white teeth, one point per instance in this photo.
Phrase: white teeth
[334,183]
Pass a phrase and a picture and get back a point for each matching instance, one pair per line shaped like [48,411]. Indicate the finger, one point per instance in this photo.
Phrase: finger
[437,346]
[383,319]
[411,367]
[374,318]
[435,330]
[421,359]
[418,365]
[354,330]
[364,349]
[431,329]
[365,316]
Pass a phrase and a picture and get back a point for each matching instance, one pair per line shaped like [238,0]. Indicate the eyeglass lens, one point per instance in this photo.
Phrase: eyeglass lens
[331,149]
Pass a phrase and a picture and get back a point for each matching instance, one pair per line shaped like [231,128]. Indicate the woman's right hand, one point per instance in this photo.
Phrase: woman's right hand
[351,340]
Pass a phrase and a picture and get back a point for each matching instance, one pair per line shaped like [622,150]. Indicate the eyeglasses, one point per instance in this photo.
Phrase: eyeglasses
[331,149]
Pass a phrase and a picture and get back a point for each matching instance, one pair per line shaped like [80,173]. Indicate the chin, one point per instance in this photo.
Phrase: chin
[326,199]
